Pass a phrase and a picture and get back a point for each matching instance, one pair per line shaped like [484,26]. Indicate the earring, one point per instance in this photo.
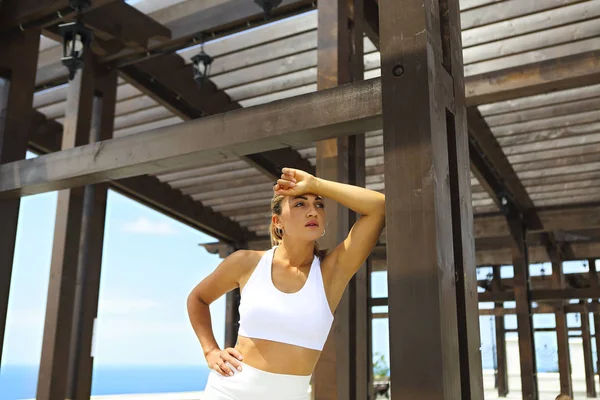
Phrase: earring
[324,230]
[280,231]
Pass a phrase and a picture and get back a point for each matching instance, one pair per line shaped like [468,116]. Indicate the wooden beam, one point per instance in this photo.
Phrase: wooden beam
[85,310]
[424,174]
[18,60]
[56,345]
[168,80]
[335,373]
[523,298]
[588,356]
[562,333]
[239,132]
[31,14]
[528,80]
[501,360]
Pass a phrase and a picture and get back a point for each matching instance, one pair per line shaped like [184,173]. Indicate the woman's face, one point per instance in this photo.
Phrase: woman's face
[303,217]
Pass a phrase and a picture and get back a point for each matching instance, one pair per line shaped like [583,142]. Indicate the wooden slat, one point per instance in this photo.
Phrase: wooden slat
[240,132]
[530,23]
[506,10]
[556,133]
[36,13]
[18,56]
[532,41]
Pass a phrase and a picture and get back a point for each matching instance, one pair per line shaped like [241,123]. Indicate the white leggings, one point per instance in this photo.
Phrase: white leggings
[254,384]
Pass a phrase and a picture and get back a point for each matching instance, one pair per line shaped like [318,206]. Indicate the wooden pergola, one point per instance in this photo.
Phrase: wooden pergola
[479,119]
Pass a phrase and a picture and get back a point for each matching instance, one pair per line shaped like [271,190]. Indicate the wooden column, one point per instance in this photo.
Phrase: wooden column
[502,373]
[370,388]
[562,334]
[595,284]
[18,63]
[340,61]
[588,356]
[431,270]
[54,367]
[79,378]
[522,292]
[232,317]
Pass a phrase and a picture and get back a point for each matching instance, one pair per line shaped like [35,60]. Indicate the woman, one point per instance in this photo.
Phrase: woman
[288,293]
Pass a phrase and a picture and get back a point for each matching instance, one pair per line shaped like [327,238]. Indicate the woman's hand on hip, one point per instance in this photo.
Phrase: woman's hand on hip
[295,182]
[217,360]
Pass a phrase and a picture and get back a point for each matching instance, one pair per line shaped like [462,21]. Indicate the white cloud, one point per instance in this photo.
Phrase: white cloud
[145,226]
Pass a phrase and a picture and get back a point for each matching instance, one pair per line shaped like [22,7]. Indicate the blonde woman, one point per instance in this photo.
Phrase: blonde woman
[288,293]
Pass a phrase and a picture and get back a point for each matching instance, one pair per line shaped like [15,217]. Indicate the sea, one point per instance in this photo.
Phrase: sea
[19,382]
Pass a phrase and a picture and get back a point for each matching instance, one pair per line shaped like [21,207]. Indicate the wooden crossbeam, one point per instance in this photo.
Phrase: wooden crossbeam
[168,80]
[341,111]
[149,191]
[29,14]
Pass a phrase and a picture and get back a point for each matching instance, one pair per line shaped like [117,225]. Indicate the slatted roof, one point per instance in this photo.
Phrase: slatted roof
[551,140]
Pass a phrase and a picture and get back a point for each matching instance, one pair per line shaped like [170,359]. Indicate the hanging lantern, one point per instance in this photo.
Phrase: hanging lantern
[79,5]
[267,5]
[76,39]
[202,63]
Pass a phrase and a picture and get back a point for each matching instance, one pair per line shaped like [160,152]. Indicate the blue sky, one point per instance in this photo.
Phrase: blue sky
[150,264]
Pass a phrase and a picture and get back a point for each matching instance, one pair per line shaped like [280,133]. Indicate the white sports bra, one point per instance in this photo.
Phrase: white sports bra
[302,318]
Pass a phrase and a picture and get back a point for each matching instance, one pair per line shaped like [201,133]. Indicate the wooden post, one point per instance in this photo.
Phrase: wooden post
[502,373]
[54,367]
[370,388]
[595,284]
[18,63]
[79,378]
[431,268]
[522,292]
[562,334]
[340,52]
[232,317]
[588,357]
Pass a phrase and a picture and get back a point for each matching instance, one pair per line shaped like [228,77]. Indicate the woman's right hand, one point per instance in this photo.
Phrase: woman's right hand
[217,359]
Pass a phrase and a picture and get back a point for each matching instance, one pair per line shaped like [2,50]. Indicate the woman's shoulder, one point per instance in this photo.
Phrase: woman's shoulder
[246,259]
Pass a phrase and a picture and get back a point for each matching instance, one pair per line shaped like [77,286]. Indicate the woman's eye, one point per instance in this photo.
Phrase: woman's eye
[299,204]
[321,205]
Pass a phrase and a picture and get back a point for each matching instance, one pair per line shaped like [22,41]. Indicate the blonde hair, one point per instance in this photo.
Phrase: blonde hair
[277,234]
[563,397]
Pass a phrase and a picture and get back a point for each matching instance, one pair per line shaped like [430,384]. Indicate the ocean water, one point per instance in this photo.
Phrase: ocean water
[19,382]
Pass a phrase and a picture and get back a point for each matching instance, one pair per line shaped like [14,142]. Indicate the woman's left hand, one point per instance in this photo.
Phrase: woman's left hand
[294,182]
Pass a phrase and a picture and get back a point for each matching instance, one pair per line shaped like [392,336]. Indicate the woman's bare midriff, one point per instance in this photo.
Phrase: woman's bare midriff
[278,358]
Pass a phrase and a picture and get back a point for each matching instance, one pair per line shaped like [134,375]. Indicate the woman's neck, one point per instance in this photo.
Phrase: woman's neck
[297,253]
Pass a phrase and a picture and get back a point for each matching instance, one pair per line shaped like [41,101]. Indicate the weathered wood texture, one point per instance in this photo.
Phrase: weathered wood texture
[85,310]
[424,177]
[18,56]
[335,112]
[335,373]
[522,294]
[588,356]
[501,361]
[562,334]
[149,191]
[54,367]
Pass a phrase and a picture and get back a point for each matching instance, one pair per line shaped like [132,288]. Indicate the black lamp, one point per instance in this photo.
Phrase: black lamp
[267,5]
[76,40]
[202,63]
